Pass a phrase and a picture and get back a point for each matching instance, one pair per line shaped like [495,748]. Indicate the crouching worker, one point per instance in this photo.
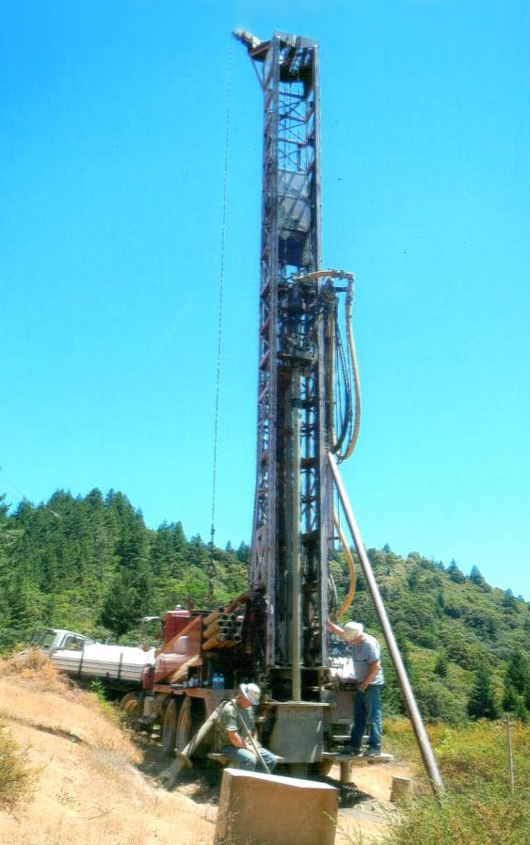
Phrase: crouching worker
[237,732]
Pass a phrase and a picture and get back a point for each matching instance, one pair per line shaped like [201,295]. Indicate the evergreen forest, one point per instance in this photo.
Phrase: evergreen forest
[90,564]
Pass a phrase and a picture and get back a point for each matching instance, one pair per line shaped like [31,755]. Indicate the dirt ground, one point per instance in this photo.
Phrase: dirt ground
[97,785]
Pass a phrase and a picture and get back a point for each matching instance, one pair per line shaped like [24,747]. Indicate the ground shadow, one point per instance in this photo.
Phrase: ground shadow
[202,781]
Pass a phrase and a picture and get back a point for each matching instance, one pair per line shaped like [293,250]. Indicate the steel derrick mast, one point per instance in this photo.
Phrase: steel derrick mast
[293,511]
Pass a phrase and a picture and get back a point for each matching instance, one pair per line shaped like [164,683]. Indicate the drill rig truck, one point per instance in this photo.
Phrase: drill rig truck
[275,634]
[308,414]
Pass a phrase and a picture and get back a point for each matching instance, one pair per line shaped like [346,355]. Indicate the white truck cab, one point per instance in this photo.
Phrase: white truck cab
[53,639]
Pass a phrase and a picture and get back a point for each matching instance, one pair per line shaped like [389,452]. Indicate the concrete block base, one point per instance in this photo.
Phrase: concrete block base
[255,809]
[402,790]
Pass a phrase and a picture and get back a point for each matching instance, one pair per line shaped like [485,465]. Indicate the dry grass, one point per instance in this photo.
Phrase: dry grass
[87,788]
[16,776]
[38,696]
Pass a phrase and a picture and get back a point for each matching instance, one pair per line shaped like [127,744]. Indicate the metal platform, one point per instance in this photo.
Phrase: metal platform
[347,762]
[360,759]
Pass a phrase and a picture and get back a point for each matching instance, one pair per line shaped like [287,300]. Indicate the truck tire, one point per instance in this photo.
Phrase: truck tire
[169,728]
[130,705]
[192,715]
[323,768]
[184,725]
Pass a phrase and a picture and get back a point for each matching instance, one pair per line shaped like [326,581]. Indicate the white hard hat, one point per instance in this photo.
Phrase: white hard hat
[352,630]
[251,692]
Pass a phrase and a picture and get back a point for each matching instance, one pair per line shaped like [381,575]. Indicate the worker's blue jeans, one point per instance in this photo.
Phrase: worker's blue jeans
[247,760]
[367,710]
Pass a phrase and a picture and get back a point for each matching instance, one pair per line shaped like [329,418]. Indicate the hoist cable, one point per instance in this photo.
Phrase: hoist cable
[211,573]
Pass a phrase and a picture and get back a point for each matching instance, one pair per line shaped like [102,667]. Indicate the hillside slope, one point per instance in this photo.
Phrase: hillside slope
[87,787]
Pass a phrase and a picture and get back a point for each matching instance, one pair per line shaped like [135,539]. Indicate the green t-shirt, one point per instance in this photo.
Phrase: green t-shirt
[233,718]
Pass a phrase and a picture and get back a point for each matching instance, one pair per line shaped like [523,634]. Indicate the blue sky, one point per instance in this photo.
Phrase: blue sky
[112,130]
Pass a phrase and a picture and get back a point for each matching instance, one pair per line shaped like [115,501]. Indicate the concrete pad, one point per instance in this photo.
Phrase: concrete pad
[256,809]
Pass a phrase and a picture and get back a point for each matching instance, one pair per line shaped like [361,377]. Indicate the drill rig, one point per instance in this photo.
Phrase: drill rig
[307,423]
[308,407]
[308,415]
[308,392]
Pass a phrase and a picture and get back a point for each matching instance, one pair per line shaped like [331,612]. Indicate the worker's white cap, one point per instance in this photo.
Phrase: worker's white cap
[352,630]
[251,692]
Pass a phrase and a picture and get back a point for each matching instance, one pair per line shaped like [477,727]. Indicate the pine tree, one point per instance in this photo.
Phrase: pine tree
[121,607]
[482,703]
[440,667]
[5,569]
[9,535]
[516,697]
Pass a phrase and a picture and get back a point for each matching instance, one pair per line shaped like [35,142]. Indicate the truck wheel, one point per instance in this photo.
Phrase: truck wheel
[130,705]
[324,767]
[191,717]
[169,728]
[184,725]
[319,770]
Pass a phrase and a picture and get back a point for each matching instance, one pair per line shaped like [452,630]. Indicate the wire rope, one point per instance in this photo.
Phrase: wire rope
[211,571]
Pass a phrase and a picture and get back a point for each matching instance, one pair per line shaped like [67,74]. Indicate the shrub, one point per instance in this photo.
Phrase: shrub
[16,778]
[98,689]
[436,702]
[440,667]
[485,819]
[478,807]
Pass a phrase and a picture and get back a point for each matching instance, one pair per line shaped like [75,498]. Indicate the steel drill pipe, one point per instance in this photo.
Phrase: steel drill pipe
[215,614]
[408,695]
[213,643]
[229,620]
[211,629]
